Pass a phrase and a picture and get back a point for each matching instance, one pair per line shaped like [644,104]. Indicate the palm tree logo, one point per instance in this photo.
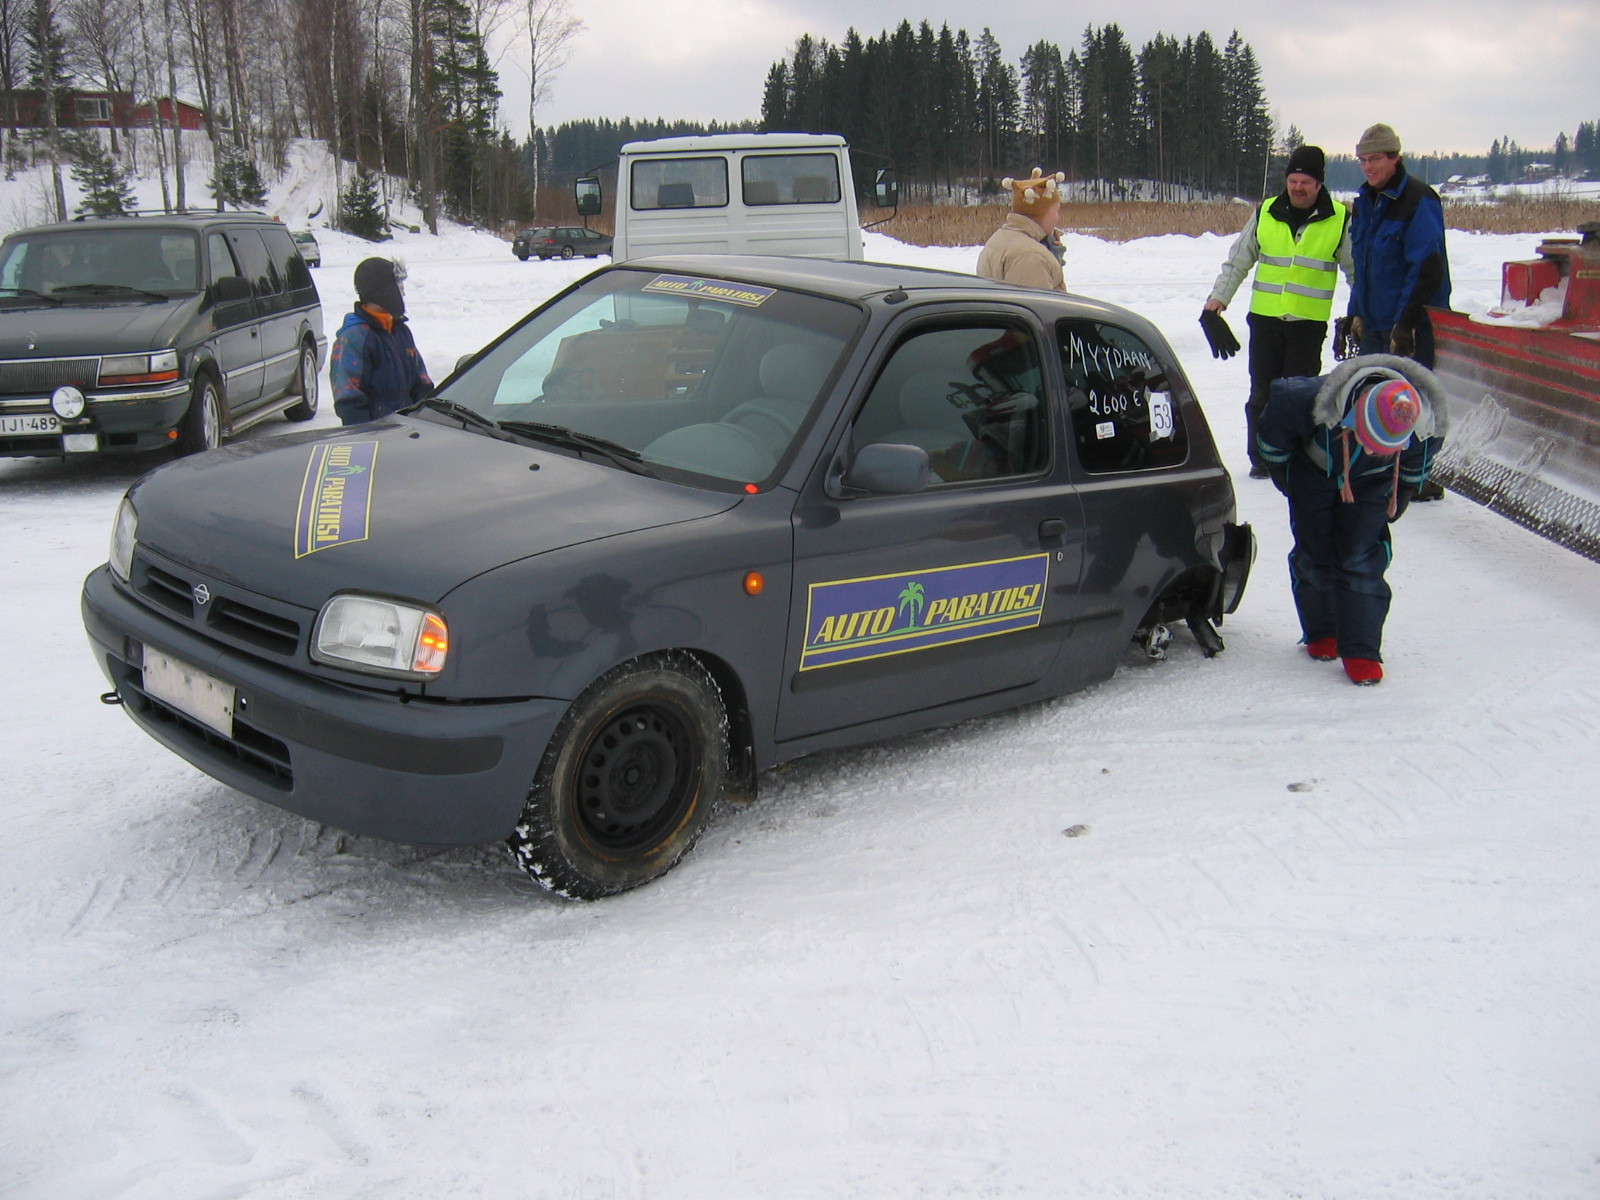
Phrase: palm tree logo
[911,596]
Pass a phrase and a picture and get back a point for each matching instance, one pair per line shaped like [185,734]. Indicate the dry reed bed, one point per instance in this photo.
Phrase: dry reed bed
[945,225]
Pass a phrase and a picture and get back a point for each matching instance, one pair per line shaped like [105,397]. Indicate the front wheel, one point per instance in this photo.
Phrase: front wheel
[305,386]
[201,427]
[628,781]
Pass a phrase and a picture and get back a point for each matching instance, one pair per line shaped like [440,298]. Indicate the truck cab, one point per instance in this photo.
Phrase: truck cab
[750,193]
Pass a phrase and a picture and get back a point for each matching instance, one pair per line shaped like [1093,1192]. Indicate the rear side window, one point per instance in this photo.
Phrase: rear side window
[1125,416]
[679,183]
[290,266]
[790,179]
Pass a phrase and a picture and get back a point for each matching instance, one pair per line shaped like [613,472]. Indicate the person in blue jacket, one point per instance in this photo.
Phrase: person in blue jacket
[1397,244]
[375,368]
[1349,450]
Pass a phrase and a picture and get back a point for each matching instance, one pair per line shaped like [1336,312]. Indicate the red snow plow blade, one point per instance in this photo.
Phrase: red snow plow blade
[1525,398]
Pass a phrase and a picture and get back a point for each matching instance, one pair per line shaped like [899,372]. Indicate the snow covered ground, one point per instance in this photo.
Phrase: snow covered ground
[1313,941]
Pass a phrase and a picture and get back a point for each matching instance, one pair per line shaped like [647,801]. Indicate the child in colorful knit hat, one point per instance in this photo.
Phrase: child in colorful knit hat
[1350,450]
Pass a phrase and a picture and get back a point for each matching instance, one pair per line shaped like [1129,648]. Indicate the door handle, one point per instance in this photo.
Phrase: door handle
[1052,529]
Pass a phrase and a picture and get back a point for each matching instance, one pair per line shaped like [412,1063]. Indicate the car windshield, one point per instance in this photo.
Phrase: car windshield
[99,263]
[304,238]
[701,376]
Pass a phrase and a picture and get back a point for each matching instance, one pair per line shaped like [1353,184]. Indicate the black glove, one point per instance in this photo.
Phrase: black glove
[1223,344]
[1403,496]
[1403,341]
[1347,333]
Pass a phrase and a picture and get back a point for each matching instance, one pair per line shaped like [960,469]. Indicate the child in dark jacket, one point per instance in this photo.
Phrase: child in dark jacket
[375,368]
[1350,450]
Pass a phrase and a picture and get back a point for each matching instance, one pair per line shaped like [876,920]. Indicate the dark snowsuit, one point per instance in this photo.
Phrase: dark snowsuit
[1342,547]
[375,370]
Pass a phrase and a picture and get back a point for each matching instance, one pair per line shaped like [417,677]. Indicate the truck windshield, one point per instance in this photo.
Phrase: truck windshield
[706,377]
[96,261]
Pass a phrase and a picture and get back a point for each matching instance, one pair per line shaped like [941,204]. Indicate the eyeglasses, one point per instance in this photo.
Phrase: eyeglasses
[1369,160]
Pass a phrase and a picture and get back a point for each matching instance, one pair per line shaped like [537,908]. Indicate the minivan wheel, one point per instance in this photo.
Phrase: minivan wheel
[305,386]
[201,427]
[567,252]
[628,780]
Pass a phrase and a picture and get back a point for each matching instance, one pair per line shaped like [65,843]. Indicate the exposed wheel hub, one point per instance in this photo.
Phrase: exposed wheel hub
[632,780]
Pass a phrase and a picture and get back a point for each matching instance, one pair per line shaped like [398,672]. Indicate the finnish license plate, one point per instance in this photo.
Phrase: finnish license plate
[189,690]
[31,423]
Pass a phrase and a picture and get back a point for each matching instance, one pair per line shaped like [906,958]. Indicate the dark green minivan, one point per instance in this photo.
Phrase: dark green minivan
[134,333]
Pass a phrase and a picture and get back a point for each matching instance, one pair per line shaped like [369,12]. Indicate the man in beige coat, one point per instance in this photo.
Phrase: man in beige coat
[1017,252]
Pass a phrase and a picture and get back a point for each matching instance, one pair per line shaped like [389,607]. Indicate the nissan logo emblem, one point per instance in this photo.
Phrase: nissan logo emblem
[201,593]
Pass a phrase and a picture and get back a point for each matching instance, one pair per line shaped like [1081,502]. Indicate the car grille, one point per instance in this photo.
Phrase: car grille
[229,615]
[41,376]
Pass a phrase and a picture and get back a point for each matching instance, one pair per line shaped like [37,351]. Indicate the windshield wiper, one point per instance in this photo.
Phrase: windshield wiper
[622,455]
[461,412]
[30,293]
[105,289]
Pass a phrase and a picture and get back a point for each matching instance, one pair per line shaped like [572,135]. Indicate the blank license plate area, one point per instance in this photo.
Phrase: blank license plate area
[31,423]
[189,690]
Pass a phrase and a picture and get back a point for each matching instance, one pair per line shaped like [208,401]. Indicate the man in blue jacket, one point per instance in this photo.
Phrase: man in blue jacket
[1397,242]
[375,368]
[1350,450]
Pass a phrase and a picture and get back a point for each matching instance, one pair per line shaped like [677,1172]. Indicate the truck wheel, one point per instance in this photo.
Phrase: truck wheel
[628,781]
[201,427]
[305,386]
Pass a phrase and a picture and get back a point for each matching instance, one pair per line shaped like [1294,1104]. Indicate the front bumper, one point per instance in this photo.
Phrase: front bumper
[122,421]
[364,761]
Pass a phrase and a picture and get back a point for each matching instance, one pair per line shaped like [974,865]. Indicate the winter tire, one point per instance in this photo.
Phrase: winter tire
[201,427]
[306,386]
[628,780]
[567,252]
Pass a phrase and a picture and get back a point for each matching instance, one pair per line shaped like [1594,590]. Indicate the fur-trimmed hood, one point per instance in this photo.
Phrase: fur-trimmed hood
[1354,374]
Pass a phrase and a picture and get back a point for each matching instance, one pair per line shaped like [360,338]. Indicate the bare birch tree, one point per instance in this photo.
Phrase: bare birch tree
[550,28]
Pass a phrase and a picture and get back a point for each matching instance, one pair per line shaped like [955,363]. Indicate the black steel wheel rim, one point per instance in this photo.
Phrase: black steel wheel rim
[636,778]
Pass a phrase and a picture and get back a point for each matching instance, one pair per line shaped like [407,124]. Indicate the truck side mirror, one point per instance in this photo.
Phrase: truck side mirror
[886,190]
[586,192]
[230,288]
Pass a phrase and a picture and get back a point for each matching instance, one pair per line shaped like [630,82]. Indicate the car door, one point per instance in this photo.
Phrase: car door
[907,602]
[281,326]
[238,336]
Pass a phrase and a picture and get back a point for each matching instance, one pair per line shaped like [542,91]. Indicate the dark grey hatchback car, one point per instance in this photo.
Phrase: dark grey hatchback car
[134,333]
[723,512]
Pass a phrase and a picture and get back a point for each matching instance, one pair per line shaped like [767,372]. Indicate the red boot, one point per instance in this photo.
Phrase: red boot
[1323,649]
[1363,671]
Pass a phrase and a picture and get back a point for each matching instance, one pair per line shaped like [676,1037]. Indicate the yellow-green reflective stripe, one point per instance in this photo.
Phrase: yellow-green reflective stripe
[1272,260]
[1316,264]
[1300,289]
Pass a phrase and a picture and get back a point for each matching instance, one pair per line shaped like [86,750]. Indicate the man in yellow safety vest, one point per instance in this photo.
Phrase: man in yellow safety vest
[1297,241]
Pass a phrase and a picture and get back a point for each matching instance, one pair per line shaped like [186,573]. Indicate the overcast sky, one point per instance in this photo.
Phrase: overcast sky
[1447,74]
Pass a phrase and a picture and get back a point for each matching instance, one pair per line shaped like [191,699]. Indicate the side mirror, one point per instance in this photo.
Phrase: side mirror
[886,190]
[586,192]
[887,469]
[231,288]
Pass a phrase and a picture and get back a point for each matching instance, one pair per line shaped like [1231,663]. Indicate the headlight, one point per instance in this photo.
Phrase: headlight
[382,636]
[119,370]
[124,530]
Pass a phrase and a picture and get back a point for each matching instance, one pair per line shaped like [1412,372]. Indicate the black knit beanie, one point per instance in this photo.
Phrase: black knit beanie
[1307,160]
[377,283]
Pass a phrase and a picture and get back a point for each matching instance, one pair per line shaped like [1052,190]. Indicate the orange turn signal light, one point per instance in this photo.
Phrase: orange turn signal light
[753,583]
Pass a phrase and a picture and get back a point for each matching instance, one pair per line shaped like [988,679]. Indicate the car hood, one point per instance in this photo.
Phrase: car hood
[78,328]
[405,507]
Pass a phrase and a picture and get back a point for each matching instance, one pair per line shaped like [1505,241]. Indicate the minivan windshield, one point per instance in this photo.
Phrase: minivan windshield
[98,263]
[680,373]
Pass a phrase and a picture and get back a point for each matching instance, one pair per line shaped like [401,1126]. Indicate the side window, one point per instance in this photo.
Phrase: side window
[291,268]
[790,179]
[972,397]
[253,261]
[1124,415]
[679,183]
[222,264]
